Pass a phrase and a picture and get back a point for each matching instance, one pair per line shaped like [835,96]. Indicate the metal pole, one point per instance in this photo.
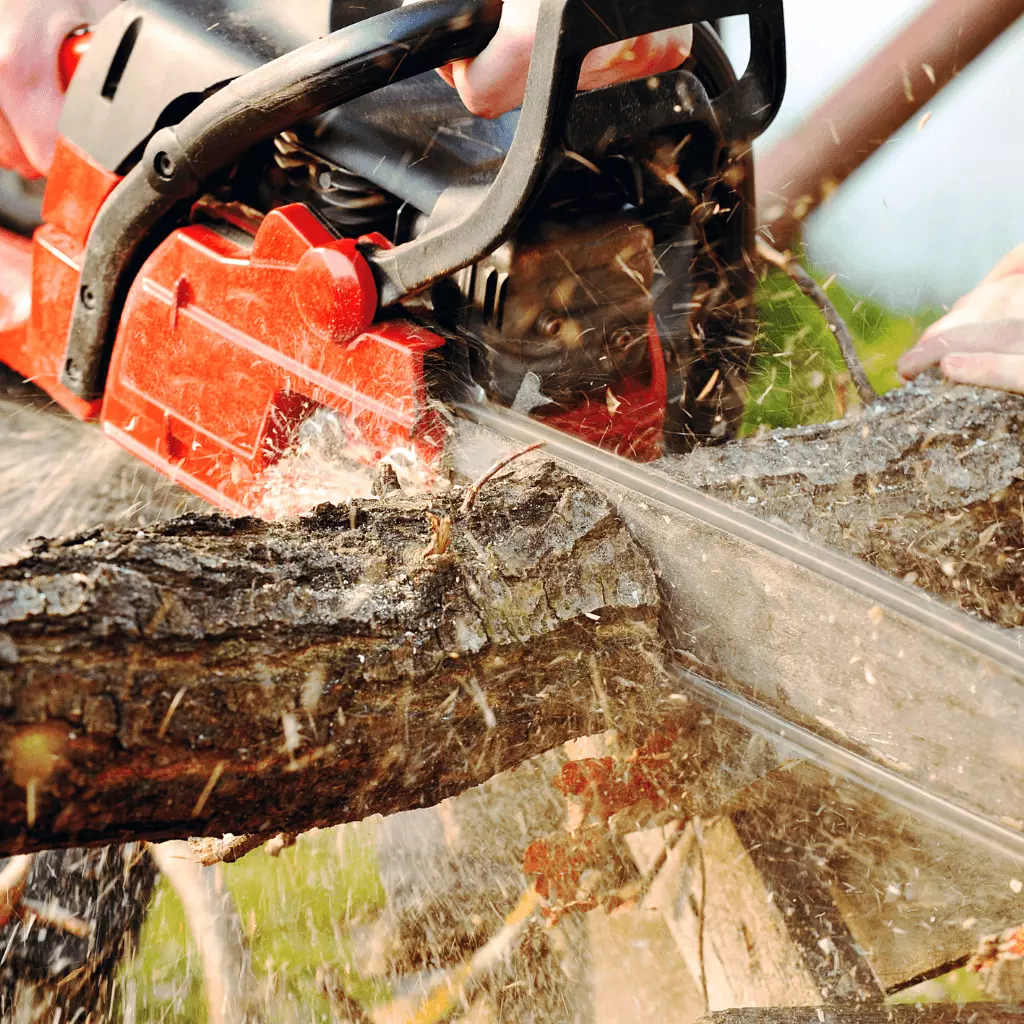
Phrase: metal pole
[802,170]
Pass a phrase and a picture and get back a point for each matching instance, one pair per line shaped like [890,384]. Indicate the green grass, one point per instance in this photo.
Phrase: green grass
[297,911]
[798,370]
[960,986]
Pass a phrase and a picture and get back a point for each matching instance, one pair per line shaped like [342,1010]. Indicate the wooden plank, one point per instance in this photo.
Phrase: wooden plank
[915,897]
[637,972]
[952,1013]
[734,940]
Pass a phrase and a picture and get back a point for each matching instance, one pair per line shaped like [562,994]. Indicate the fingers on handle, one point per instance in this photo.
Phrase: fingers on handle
[636,58]
[495,82]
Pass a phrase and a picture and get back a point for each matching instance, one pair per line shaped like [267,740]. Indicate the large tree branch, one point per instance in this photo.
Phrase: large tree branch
[212,676]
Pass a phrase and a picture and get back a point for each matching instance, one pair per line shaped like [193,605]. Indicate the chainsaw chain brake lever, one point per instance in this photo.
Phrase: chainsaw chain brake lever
[359,59]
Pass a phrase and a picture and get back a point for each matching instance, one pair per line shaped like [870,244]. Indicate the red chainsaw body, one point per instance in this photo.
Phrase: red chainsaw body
[229,339]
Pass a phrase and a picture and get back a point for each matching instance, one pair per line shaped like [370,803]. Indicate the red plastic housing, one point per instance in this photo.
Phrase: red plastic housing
[225,347]
[631,419]
[33,338]
[231,337]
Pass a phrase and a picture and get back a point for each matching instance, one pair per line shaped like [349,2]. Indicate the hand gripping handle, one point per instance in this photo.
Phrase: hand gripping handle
[567,31]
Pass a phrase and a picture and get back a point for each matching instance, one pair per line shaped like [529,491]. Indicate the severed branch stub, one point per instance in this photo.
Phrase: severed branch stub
[211,675]
[474,489]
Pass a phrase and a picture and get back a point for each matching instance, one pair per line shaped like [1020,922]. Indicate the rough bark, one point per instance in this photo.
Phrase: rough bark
[928,484]
[215,675]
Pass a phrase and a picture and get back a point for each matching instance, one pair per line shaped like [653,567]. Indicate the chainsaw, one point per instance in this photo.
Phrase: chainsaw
[259,219]
[270,221]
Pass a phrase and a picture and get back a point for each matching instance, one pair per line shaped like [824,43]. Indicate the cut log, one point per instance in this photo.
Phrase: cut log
[928,485]
[216,675]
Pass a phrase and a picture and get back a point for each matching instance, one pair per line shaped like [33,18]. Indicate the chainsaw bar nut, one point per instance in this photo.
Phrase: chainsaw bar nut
[335,291]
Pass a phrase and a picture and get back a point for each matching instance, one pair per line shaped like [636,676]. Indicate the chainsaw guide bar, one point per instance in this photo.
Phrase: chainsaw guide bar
[778,625]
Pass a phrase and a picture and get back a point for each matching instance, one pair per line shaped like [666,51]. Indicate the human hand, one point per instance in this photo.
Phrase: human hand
[981,340]
[495,81]
[31,33]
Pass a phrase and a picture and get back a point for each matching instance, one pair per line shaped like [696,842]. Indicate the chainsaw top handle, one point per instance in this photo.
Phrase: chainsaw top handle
[361,58]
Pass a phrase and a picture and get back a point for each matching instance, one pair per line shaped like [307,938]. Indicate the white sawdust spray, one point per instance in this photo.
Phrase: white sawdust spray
[329,463]
[59,476]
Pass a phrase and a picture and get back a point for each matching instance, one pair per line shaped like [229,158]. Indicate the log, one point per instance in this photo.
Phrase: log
[914,485]
[927,485]
[213,675]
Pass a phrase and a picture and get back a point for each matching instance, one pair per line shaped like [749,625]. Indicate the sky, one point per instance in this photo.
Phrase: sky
[927,217]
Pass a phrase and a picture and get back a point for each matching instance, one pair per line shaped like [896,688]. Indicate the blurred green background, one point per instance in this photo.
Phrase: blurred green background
[798,371]
[300,914]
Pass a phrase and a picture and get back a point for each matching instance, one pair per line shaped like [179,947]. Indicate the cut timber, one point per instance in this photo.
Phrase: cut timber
[916,686]
[215,675]
[734,936]
[935,1013]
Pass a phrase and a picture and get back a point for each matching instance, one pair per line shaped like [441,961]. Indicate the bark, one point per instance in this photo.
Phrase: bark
[323,671]
[214,675]
[926,484]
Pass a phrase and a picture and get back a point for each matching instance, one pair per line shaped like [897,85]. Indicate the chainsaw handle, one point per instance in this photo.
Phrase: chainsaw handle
[349,63]
[252,108]
[567,30]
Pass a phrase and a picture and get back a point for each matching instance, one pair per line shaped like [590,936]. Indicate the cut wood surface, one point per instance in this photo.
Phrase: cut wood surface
[214,675]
